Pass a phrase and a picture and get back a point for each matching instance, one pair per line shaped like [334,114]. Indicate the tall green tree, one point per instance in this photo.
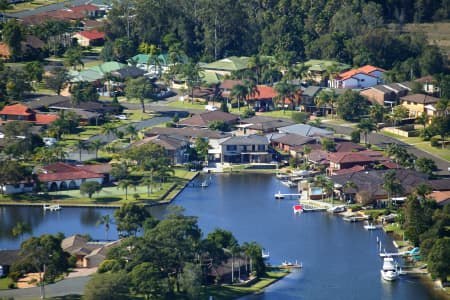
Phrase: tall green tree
[391,184]
[130,219]
[140,88]
[20,229]
[90,188]
[13,35]
[366,126]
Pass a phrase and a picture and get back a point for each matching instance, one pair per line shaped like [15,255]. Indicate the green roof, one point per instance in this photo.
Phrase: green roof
[85,75]
[323,65]
[232,63]
[108,67]
[210,77]
[164,59]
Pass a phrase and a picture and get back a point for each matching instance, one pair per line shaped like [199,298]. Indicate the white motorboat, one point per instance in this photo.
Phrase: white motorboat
[204,184]
[389,271]
[288,183]
[265,255]
[336,209]
[371,226]
[287,265]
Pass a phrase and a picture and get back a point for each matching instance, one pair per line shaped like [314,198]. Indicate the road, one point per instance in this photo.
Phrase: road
[382,141]
[70,286]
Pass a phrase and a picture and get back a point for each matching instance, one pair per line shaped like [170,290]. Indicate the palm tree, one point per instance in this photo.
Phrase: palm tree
[391,184]
[376,112]
[124,184]
[105,220]
[59,151]
[422,190]
[240,92]
[322,99]
[147,181]
[366,126]
[422,119]
[163,172]
[192,73]
[321,181]
[20,229]
[131,131]
[350,184]
[95,145]
[284,91]
[80,146]
[108,129]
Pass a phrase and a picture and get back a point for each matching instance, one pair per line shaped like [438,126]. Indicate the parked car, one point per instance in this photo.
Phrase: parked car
[317,113]
[122,117]
[211,108]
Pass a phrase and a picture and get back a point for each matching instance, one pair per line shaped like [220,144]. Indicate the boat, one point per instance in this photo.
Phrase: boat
[204,184]
[297,209]
[282,176]
[371,226]
[288,183]
[265,255]
[336,209]
[287,265]
[52,207]
[389,271]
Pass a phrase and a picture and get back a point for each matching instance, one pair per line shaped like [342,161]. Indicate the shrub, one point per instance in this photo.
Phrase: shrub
[434,141]
[14,276]
[299,117]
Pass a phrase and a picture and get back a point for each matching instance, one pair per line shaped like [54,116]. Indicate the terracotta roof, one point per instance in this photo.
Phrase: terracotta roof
[68,176]
[390,165]
[357,168]
[16,110]
[45,119]
[92,34]
[59,167]
[353,157]
[84,8]
[264,92]
[420,98]
[228,84]
[440,196]
[98,168]
[367,69]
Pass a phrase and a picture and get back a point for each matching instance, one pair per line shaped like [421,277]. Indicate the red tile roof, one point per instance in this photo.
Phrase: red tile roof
[264,92]
[68,176]
[440,196]
[367,69]
[357,168]
[16,110]
[92,34]
[45,119]
[84,8]
[390,165]
[354,157]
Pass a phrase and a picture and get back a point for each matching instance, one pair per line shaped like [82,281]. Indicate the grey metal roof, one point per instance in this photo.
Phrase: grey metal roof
[311,91]
[246,140]
[305,130]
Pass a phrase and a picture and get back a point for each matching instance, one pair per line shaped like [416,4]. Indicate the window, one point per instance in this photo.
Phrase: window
[231,147]
[261,147]
[244,148]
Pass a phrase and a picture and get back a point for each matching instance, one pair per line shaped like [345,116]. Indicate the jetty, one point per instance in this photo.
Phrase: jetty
[51,207]
[413,252]
[280,195]
[355,218]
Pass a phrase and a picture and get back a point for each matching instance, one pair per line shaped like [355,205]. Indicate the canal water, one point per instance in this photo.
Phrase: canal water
[340,260]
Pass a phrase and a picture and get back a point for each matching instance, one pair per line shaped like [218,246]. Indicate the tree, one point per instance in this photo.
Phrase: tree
[422,190]
[328,144]
[192,74]
[422,119]
[248,113]
[109,129]
[219,125]
[125,184]
[83,91]
[201,148]
[80,146]
[130,219]
[299,117]
[146,279]
[13,35]
[58,80]
[391,184]
[74,57]
[111,286]
[240,92]
[105,220]
[20,229]
[355,136]
[147,181]
[89,188]
[4,5]
[439,259]
[376,112]
[322,100]
[398,113]
[12,172]
[351,105]
[441,125]
[95,145]
[425,165]
[191,280]
[34,70]
[285,91]
[140,88]
[131,131]
[366,126]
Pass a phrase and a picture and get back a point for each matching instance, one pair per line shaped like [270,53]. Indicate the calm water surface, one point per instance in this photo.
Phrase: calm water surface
[339,259]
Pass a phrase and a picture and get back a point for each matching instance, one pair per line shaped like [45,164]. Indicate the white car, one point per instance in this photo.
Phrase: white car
[121,117]
[211,108]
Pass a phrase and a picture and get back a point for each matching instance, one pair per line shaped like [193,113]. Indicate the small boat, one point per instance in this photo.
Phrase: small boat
[265,255]
[288,183]
[336,209]
[287,265]
[371,226]
[204,184]
[52,207]
[297,209]
[389,271]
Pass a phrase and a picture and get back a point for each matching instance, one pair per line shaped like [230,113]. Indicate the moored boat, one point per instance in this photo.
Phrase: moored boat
[371,226]
[389,270]
[297,209]
[288,264]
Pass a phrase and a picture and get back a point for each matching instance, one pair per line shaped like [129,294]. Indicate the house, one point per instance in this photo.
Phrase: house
[245,149]
[442,198]
[368,185]
[225,66]
[318,69]
[385,94]
[89,38]
[62,176]
[227,86]
[205,119]
[176,147]
[261,125]
[20,112]
[291,142]
[346,160]
[89,254]
[359,78]
[90,112]
[89,10]
[429,85]
[263,98]
[307,98]
[306,130]
[416,104]
[31,47]
[155,63]
[7,259]
[128,72]
[92,24]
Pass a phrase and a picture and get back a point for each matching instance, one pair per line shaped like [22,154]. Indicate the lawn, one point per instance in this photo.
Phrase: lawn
[277,114]
[234,292]
[30,5]
[187,105]
[422,145]
[4,283]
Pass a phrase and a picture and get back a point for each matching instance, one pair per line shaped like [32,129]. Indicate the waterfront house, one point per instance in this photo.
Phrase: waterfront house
[20,112]
[205,119]
[62,176]
[359,78]
[245,149]
[385,94]
[7,259]
[176,147]
[346,160]
[416,104]
[306,130]
[291,142]
[89,254]
[261,125]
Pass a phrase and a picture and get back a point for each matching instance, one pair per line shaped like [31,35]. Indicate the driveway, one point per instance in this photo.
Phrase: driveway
[70,286]
[382,141]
